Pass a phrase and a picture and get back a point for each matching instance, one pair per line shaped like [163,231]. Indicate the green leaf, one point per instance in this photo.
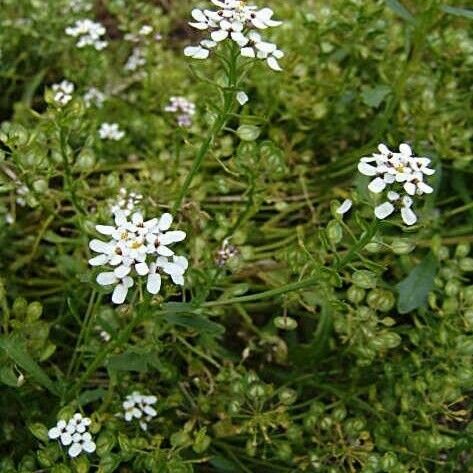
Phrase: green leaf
[91,395]
[397,7]
[413,290]
[128,361]
[15,349]
[464,12]
[374,96]
[199,323]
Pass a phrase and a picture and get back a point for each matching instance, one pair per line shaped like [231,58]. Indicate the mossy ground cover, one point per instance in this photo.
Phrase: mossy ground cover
[282,335]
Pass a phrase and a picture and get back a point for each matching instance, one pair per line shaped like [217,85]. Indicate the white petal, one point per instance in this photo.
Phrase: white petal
[153,285]
[75,450]
[177,279]
[405,149]
[393,196]
[273,64]
[265,47]
[198,15]
[164,251]
[383,149]
[106,278]
[384,210]
[248,52]
[172,237]
[99,246]
[150,411]
[345,207]
[408,216]
[182,262]
[66,439]
[119,294]
[367,169]
[98,260]
[377,185]
[242,98]
[54,433]
[142,269]
[410,188]
[89,446]
[219,35]
[196,52]
[165,222]
[122,271]
[105,229]
[423,187]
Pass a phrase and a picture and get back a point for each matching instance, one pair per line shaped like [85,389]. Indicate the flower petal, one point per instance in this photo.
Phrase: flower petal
[377,185]
[153,284]
[408,216]
[119,294]
[106,278]
[384,210]
[75,450]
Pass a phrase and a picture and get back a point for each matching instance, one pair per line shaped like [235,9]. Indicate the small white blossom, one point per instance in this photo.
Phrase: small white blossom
[126,202]
[73,434]
[63,92]
[138,248]
[139,407]
[77,6]
[88,33]
[111,131]
[236,21]
[394,199]
[184,110]
[242,97]
[135,60]
[146,30]
[345,207]
[93,97]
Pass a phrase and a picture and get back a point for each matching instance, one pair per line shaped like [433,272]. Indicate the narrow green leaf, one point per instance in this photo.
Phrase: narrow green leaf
[16,350]
[397,7]
[413,290]
[464,12]
[128,361]
[91,395]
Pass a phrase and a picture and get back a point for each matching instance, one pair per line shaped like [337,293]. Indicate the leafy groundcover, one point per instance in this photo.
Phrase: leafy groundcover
[236,236]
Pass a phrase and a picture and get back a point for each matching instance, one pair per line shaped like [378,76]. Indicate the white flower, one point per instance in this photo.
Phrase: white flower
[111,131]
[387,208]
[183,108]
[235,21]
[81,443]
[137,248]
[345,207]
[93,97]
[140,407]
[126,202]
[242,97]
[89,33]
[146,30]
[135,60]
[63,92]
[73,433]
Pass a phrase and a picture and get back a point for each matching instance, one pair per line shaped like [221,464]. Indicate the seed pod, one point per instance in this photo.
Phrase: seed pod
[34,311]
[364,279]
[356,294]
[463,250]
[285,323]
[334,232]
[283,451]
[381,299]
[288,396]
[402,246]
[466,264]
[256,391]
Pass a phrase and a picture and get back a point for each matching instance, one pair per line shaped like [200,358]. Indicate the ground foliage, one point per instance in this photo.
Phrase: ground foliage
[326,343]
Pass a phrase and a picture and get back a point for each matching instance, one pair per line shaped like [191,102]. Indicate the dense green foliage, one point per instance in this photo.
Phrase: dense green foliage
[326,343]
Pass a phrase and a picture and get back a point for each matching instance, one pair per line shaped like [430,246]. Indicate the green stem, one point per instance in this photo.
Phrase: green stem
[220,123]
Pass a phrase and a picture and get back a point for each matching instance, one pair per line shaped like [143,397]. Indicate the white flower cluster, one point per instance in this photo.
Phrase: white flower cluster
[63,92]
[74,434]
[140,407]
[94,97]
[402,175]
[183,108]
[88,33]
[126,202]
[237,21]
[143,32]
[111,131]
[138,248]
[135,60]
[77,6]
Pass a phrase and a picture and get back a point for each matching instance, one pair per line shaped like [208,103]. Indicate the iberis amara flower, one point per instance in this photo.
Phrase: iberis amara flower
[236,21]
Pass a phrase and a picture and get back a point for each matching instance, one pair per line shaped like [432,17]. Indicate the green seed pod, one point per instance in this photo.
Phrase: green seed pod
[315,462]
[334,232]
[285,323]
[234,407]
[317,409]
[81,464]
[39,431]
[326,423]
[283,451]
[60,469]
[105,443]
[339,414]
[294,434]
[356,294]
[452,288]
[381,299]
[310,422]
[468,295]
[7,465]
[40,186]
[386,340]
[443,253]
[402,246]
[27,464]
[468,316]
[389,461]
[34,312]
[180,439]
[364,279]
[463,250]
[20,306]
[256,391]
[201,442]
[47,456]
[375,247]
[287,396]
[450,305]
[251,447]
[248,132]
[466,264]
[86,160]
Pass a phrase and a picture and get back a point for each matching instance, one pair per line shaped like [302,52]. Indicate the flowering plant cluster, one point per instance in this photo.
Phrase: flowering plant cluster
[74,434]
[63,92]
[139,407]
[88,33]
[401,175]
[138,248]
[111,131]
[236,21]
[183,108]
